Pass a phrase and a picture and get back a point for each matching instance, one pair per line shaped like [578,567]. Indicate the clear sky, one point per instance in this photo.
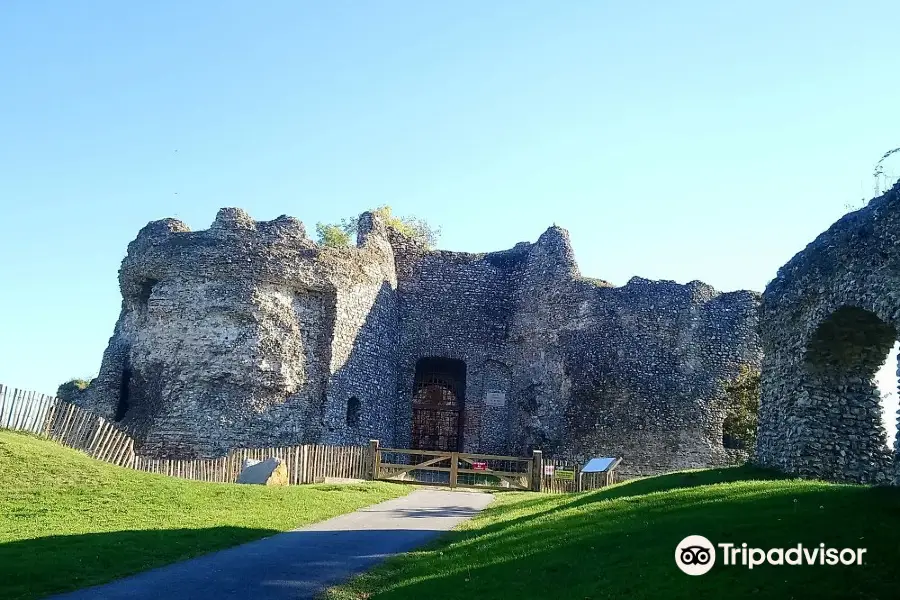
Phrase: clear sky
[674,140]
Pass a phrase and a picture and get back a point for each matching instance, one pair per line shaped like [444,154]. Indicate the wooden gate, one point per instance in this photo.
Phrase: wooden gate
[436,423]
[453,469]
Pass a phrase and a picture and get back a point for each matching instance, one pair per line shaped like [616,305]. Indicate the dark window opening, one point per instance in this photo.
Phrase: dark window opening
[353,412]
[124,392]
[146,291]
[438,399]
[730,441]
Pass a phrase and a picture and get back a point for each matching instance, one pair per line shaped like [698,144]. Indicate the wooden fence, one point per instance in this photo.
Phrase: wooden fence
[102,439]
[67,424]
[452,469]
[305,464]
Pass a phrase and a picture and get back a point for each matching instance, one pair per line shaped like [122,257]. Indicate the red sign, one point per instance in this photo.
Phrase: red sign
[479,466]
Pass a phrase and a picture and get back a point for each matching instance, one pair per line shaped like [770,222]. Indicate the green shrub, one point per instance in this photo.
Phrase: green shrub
[742,393]
[331,235]
[71,390]
[342,233]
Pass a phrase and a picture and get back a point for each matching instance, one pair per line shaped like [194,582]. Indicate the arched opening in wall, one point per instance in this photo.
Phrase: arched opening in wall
[843,357]
[353,409]
[124,391]
[438,398]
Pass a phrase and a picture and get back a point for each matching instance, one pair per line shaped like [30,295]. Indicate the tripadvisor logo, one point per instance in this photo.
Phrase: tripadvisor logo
[696,555]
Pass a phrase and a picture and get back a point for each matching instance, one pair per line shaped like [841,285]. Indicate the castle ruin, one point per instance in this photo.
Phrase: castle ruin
[250,334]
[828,321]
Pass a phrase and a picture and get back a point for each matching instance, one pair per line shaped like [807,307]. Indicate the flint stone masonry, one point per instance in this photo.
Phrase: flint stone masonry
[249,334]
[827,323]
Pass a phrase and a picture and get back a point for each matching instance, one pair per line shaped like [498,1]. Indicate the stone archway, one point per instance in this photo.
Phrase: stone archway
[842,357]
[827,324]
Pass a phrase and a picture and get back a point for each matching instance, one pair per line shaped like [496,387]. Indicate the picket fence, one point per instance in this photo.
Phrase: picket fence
[309,463]
[81,429]
[78,428]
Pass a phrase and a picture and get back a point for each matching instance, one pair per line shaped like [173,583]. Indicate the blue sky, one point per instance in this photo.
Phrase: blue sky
[688,140]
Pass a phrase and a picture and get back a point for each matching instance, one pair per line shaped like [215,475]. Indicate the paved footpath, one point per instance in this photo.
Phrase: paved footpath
[300,563]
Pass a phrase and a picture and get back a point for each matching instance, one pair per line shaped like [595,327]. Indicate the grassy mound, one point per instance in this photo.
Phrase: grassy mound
[620,543]
[68,521]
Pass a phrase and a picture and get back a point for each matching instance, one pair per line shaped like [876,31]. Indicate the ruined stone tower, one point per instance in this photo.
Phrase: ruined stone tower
[249,334]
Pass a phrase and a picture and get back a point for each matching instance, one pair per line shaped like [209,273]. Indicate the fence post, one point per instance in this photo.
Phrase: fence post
[454,468]
[48,421]
[537,475]
[375,457]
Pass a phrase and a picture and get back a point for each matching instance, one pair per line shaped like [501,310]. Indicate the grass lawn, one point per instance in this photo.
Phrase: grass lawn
[68,521]
[620,543]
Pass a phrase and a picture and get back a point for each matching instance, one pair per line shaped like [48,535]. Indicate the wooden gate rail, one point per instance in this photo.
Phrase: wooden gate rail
[460,463]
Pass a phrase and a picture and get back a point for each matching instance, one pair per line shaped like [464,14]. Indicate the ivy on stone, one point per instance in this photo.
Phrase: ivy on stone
[742,397]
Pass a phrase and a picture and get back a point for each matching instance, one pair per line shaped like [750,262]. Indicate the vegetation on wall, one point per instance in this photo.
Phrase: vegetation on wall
[331,235]
[742,393]
[342,233]
[884,181]
[71,389]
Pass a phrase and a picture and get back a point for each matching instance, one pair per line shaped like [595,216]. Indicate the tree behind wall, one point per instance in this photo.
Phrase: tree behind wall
[342,233]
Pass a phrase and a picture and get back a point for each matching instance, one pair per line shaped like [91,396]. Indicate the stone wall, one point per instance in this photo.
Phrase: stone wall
[250,334]
[458,306]
[242,335]
[827,322]
[634,371]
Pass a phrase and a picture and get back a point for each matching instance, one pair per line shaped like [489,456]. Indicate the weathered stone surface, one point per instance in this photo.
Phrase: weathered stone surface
[827,322]
[272,471]
[249,334]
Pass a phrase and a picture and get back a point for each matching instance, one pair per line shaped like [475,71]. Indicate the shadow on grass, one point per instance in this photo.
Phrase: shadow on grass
[38,567]
[549,504]
[620,542]
[685,479]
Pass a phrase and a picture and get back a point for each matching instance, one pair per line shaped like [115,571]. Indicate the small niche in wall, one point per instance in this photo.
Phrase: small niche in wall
[730,441]
[146,291]
[353,412]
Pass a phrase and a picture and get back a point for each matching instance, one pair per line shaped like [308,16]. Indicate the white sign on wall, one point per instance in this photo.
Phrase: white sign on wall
[495,399]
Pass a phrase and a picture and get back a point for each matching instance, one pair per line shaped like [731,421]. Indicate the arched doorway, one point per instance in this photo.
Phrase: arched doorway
[438,397]
[842,358]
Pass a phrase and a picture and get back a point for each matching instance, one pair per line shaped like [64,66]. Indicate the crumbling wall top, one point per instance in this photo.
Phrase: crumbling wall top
[237,247]
[861,244]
